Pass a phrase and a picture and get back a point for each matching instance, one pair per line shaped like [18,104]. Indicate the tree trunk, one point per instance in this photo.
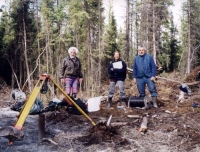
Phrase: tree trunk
[189,38]
[38,39]
[26,58]
[154,34]
[99,65]
[47,55]
[127,32]
[136,27]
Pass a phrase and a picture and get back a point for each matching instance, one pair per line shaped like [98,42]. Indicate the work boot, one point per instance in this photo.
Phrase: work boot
[109,102]
[124,102]
[154,102]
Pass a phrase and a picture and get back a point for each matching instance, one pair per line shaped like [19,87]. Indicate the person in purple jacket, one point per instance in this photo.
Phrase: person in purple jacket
[117,75]
[144,72]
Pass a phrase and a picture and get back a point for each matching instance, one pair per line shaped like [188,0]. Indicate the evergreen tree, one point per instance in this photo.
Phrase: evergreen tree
[121,43]
[110,37]
[169,54]
[190,36]
[5,38]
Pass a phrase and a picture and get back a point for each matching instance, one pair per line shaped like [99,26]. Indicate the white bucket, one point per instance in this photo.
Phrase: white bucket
[94,104]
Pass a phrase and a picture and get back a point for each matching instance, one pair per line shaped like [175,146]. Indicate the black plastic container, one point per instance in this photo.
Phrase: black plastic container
[138,101]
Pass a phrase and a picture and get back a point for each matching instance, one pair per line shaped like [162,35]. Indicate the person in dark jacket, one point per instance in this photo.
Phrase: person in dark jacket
[70,72]
[117,74]
[144,72]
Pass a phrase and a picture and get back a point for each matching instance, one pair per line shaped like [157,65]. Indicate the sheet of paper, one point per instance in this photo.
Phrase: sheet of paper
[117,65]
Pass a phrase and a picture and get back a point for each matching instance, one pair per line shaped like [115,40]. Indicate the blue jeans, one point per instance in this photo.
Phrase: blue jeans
[141,83]
[121,89]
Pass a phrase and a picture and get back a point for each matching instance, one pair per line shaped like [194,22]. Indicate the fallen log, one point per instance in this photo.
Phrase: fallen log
[193,83]
[158,77]
[143,128]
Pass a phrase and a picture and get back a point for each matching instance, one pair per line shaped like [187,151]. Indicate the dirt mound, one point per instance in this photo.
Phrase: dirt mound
[101,134]
[56,116]
[194,75]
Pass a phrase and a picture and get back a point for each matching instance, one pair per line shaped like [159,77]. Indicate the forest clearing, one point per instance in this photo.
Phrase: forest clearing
[36,37]
[171,127]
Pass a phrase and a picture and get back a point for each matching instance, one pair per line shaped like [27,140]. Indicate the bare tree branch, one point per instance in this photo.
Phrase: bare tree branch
[14,74]
[37,61]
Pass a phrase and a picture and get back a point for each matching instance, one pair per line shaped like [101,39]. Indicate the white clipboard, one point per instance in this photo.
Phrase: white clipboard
[117,65]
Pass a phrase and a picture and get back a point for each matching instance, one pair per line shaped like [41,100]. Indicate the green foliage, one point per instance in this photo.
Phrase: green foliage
[13,34]
[121,43]
[110,37]
[194,34]
[170,51]
[54,26]
[164,74]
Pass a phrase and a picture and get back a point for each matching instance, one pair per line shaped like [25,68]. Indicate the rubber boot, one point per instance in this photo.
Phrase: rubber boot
[109,103]
[154,102]
[124,102]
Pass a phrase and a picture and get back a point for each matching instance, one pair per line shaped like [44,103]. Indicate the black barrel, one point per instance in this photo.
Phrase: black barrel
[138,101]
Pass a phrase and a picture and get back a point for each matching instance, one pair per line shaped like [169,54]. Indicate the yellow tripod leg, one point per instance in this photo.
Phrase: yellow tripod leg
[77,107]
[27,106]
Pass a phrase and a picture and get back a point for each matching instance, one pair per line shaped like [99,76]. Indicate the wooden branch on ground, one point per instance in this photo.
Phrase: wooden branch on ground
[133,116]
[118,123]
[49,140]
[143,127]
[158,77]
[189,83]
[192,83]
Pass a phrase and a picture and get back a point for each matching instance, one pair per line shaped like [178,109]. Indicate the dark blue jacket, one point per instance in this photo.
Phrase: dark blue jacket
[144,66]
[117,74]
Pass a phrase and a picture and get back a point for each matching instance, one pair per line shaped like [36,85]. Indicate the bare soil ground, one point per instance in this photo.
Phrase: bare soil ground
[172,127]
